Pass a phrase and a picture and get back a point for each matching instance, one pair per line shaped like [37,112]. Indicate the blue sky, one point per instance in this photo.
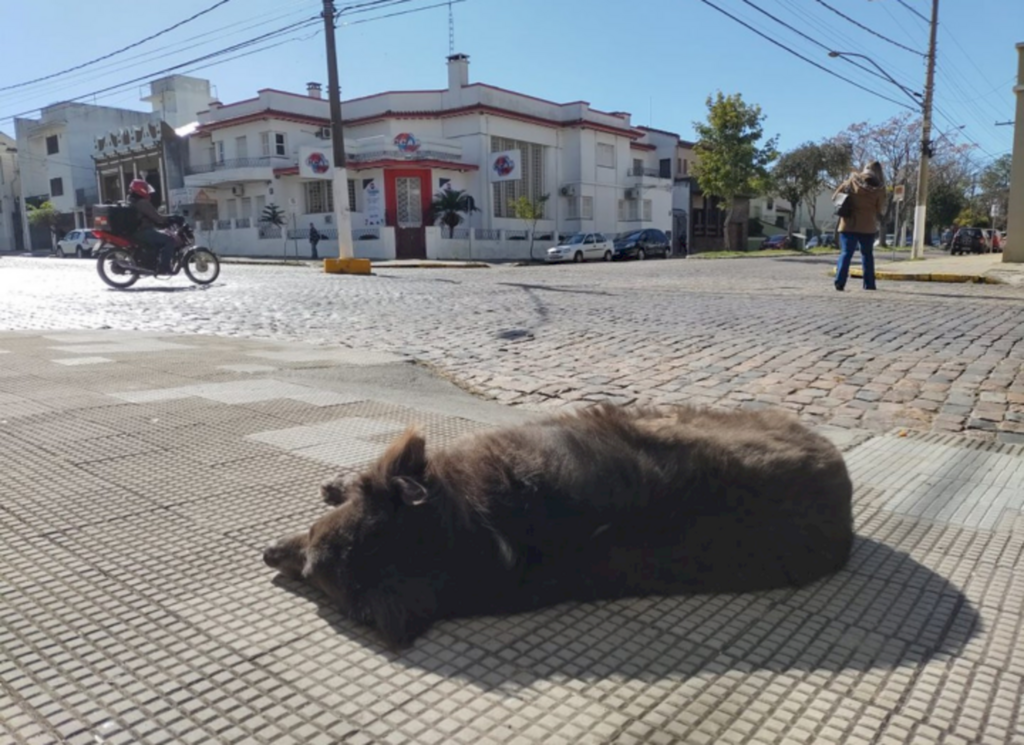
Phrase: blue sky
[657,59]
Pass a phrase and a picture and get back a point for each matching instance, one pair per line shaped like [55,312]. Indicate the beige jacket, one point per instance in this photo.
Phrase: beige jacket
[868,197]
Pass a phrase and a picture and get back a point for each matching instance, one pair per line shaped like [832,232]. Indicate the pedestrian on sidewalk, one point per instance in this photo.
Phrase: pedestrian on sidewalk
[314,238]
[865,191]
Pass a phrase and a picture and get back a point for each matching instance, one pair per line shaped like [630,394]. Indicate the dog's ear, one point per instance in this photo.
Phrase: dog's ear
[406,456]
[411,492]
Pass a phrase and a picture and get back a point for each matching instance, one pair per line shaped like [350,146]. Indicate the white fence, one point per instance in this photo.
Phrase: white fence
[239,237]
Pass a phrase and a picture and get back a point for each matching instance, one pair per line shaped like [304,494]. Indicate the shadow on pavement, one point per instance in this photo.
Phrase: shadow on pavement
[884,611]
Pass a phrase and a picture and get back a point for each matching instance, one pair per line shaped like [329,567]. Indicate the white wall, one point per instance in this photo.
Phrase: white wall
[10,191]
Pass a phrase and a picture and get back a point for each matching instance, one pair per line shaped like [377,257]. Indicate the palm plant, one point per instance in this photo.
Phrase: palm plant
[451,207]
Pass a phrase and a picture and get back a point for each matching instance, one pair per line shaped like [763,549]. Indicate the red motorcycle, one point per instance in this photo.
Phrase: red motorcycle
[121,260]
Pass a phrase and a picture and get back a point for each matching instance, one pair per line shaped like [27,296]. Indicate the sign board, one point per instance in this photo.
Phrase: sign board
[995,210]
[188,195]
[315,162]
[505,166]
[373,203]
[898,192]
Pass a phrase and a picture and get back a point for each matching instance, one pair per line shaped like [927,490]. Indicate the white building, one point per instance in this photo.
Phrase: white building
[601,172]
[55,151]
[10,196]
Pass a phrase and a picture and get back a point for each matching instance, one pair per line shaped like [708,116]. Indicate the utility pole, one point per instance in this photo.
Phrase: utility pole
[921,208]
[342,216]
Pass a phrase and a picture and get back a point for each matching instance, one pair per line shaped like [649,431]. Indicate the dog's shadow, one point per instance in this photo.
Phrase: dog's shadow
[883,611]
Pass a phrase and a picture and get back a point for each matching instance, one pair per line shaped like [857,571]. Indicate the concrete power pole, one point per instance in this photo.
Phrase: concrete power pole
[342,216]
[921,208]
[1014,252]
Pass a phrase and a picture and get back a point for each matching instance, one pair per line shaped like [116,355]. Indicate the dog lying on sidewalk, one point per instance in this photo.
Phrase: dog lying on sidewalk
[605,503]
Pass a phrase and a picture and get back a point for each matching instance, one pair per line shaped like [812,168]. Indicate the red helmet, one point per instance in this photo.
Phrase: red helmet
[140,188]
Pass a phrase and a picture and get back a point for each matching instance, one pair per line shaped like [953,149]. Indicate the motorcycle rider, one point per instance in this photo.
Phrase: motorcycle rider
[139,195]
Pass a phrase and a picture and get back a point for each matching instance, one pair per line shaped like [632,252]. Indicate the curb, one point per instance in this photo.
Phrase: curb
[978,279]
[442,265]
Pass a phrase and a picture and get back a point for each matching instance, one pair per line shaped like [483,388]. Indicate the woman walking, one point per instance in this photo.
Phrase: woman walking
[865,193]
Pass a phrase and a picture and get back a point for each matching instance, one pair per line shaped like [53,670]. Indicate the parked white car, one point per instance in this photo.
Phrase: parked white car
[77,243]
[582,247]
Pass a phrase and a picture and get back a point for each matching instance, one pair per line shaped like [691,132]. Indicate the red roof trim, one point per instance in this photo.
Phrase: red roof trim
[641,146]
[433,114]
[441,165]
[659,131]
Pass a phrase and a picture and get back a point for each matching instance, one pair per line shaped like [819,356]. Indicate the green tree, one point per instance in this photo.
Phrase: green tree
[274,215]
[794,177]
[46,215]
[946,200]
[530,211]
[971,216]
[450,208]
[995,185]
[730,162]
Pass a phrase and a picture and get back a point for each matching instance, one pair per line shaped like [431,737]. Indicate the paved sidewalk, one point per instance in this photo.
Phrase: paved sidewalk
[142,473]
[982,268]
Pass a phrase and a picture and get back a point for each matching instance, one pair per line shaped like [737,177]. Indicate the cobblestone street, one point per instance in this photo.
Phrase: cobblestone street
[728,333]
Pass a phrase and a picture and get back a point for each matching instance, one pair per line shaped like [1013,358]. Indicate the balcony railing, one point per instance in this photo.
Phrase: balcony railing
[265,161]
[649,172]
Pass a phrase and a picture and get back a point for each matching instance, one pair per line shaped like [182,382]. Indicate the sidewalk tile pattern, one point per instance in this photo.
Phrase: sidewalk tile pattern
[134,607]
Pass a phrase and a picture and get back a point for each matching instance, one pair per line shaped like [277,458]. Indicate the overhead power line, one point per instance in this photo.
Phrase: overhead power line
[806,59]
[814,41]
[404,12]
[871,31]
[914,11]
[118,51]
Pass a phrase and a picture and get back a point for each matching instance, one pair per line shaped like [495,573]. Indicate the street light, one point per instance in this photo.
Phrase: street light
[914,95]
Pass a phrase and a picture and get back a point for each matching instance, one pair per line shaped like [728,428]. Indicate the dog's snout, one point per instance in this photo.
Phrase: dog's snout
[272,556]
[331,493]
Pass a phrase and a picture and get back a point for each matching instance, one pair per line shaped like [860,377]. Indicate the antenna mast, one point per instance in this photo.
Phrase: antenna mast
[451,30]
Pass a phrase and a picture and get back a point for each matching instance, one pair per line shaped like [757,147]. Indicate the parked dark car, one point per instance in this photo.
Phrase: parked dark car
[641,244]
[776,241]
[969,240]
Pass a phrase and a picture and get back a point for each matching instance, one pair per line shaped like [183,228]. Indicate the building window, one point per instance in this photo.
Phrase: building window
[686,167]
[265,144]
[769,204]
[665,168]
[52,145]
[638,167]
[351,195]
[319,197]
[587,208]
[530,185]
[648,210]
[220,151]
[573,213]
[279,148]
[242,147]
[605,155]
[629,209]
[56,187]
[232,209]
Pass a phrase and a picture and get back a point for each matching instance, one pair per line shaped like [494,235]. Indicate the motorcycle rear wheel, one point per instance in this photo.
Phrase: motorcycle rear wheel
[202,266]
[111,266]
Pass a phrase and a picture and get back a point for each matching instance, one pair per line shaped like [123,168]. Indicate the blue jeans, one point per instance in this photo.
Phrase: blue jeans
[161,241]
[849,243]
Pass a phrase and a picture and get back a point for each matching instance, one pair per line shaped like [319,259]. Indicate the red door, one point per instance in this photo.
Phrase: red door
[407,198]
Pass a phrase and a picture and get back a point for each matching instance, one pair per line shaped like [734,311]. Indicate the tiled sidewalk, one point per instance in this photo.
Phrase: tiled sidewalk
[141,474]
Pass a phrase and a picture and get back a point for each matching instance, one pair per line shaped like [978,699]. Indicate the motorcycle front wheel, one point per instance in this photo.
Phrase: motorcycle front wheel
[113,266]
[202,266]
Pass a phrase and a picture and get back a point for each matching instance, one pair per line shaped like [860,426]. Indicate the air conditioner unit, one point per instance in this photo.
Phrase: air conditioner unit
[324,133]
[632,193]
[238,191]
[568,191]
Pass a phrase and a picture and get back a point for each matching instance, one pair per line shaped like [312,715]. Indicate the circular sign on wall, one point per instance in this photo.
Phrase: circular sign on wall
[504,165]
[407,143]
[318,162]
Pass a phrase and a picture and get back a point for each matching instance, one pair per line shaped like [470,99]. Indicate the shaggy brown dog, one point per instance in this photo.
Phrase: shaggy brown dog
[600,504]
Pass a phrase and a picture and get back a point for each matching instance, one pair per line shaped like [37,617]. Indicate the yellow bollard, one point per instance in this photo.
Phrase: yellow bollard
[347,266]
